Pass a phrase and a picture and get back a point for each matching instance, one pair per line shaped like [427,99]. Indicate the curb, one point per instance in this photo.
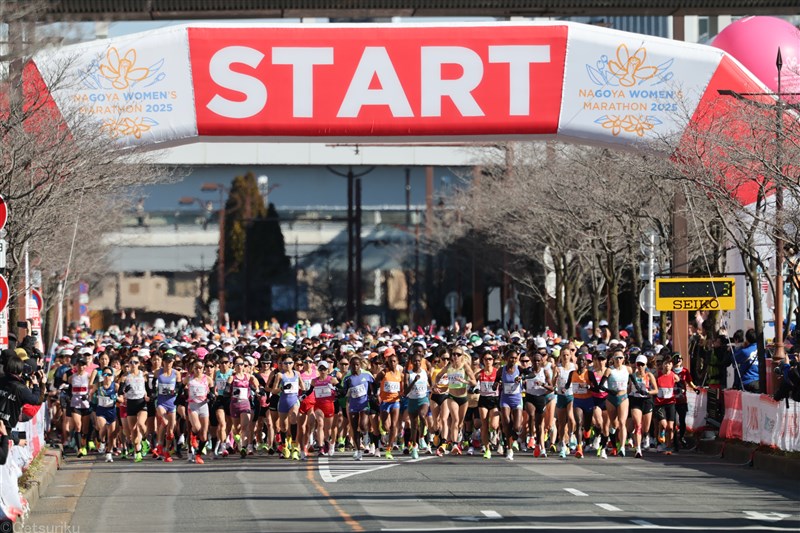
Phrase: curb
[51,462]
[752,455]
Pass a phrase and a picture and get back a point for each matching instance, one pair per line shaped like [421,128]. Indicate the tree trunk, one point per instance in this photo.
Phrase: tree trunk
[559,297]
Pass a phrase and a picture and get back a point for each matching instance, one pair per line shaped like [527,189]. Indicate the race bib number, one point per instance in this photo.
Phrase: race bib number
[323,391]
[487,388]
[105,401]
[197,391]
[665,392]
[511,388]
[137,390]
[295,388]
[240,393]
[221,384]
[391,386]
[359,391]
[580,388]
[420,388]
[166,389]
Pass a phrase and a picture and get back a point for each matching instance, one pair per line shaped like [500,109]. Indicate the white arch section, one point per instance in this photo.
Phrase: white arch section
[389,82]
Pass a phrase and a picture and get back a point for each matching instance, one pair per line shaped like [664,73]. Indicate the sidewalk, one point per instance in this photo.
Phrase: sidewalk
[773,461]
[51,462]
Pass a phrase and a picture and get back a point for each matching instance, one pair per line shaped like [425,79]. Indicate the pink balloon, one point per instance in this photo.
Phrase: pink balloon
[754,41]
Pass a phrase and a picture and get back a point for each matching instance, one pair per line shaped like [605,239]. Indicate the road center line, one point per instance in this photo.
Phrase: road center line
[576,492]
[349,520]
[492,514]
[644,523]
[608,507]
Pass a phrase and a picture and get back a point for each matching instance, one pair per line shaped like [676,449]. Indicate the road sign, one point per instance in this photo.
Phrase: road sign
[695,294]
[3,293]
[3,250]
[36,296]
[3,212]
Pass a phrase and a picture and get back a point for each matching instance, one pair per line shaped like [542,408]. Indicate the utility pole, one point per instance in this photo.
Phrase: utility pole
[359,253]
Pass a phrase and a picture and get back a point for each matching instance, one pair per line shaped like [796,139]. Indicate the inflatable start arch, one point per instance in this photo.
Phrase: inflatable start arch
[392,82]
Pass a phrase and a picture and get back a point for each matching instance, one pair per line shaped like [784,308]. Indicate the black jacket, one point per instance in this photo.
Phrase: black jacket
[13,395]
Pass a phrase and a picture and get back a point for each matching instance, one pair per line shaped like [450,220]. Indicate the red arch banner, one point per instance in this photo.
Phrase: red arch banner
[393,82]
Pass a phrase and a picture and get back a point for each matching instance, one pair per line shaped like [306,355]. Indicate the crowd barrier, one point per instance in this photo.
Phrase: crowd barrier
[12,504]
[758,418]
[698,407]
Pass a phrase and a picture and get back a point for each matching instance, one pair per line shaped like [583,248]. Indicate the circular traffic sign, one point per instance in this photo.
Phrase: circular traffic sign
[3,293]
[36,296]
[3,213]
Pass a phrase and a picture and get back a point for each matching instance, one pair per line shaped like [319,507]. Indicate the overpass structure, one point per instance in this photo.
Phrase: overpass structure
[209,9]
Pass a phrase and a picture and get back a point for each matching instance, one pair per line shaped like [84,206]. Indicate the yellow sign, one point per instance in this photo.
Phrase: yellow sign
[695,294]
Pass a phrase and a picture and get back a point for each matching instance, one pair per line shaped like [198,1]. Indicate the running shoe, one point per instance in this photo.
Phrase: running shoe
[199,459]
[375,451]
[603,454]
[661,448]
[102,448]
[537,451]
[662,437]
[515,446]
[668,452]
[531,442]
[237,439]
[82,452]
[423,445]
[487,453]
[613,451]
[622,451]
[596,442]
[287,452]
[193,441]
[471,451]
[579,452]
[190,458]
[646,443]
[457,449]
[573,442]
[563,452]
[124,454]
[500,449]
[439,451]
[510,455]
[437,440]
[638,453]
[145,447]
[303,455]
[138,457]
[167,458]
[358,455]
[389,454]
[109,458]
[243,453]
[92,446]
[225,452]
[544,454]
[415,452]
[295,454]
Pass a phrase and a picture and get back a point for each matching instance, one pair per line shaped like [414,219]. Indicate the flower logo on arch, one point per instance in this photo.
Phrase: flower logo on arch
[121,71]
[629,68]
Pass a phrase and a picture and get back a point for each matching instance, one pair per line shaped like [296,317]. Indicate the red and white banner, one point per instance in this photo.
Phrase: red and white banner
[698,410]
[760,419]
[732,421]
[390,81]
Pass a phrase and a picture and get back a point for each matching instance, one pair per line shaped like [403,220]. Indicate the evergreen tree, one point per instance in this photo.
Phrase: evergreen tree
[255,253]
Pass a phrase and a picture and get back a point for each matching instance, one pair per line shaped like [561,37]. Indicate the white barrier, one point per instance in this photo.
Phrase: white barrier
[765,421]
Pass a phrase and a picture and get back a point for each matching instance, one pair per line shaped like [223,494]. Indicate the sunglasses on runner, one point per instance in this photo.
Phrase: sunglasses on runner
[131,362]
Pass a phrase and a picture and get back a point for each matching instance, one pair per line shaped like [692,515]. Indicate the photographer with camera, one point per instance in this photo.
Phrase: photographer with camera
[19,385]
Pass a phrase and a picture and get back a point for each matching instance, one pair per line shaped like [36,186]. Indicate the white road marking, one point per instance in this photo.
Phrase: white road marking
[553,527]
[333,471]
[644,523]
[492,514]
[769,517]
[576,492]
[608,507]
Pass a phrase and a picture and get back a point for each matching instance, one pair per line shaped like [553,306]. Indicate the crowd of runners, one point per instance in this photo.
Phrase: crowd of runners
[202,395]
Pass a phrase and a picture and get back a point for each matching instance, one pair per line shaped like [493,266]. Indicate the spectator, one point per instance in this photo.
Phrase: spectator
[746,359]
[15,392]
